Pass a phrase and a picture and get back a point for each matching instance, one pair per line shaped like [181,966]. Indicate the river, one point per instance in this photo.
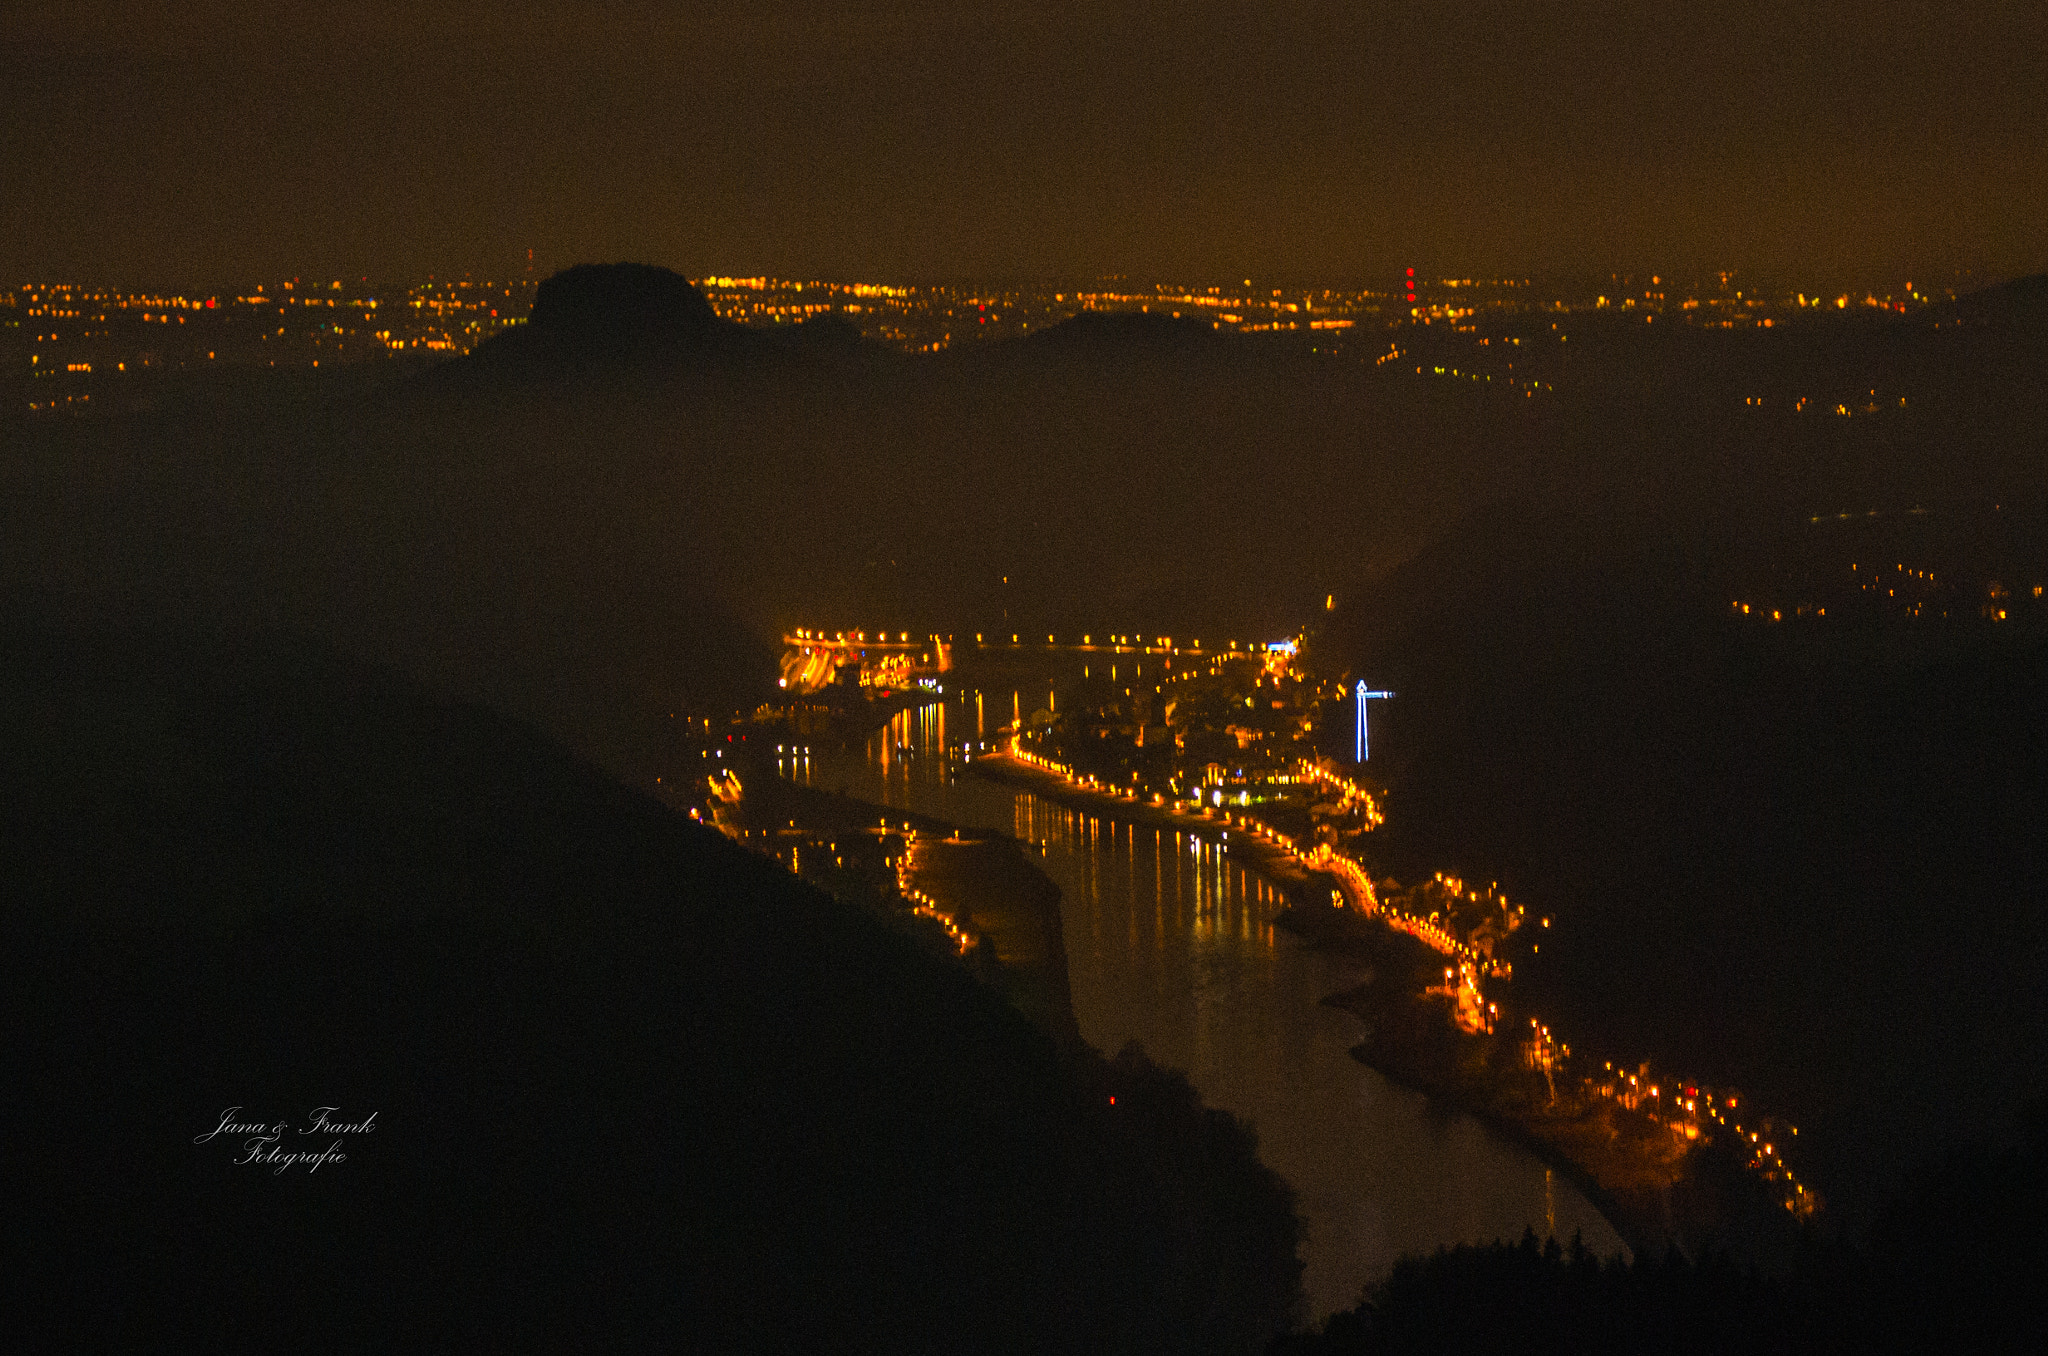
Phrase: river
[1172,945]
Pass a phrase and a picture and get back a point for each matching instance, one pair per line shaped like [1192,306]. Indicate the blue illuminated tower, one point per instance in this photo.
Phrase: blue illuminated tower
[1364,748]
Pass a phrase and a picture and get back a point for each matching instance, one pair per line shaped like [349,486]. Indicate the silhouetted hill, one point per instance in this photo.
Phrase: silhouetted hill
[1112,334]
[631,1086]
[2021,302]
[828,333]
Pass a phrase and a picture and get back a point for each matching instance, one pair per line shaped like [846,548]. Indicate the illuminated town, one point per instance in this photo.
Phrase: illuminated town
[1241,738]
[64,346]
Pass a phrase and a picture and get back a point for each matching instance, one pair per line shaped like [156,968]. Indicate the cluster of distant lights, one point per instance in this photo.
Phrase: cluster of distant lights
[1922,587]
[1245,310]
[1866,405]
[451,316]
[443,300]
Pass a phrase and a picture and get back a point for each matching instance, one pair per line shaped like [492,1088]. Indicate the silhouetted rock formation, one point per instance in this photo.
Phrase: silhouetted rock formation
[612,315]
[623,306]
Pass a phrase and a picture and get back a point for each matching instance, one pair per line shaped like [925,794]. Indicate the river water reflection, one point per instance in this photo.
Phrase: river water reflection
[1172,945]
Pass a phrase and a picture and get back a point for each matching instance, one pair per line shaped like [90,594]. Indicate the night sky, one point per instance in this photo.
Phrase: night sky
[1288,139]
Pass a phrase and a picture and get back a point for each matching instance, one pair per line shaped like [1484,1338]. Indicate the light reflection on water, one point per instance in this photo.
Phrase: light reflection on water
[1171,944]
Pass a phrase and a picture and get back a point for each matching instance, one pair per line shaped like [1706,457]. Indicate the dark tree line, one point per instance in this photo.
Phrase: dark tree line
[1956,1261]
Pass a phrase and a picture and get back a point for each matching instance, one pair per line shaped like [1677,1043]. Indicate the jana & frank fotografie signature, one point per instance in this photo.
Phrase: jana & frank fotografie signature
[264,1141]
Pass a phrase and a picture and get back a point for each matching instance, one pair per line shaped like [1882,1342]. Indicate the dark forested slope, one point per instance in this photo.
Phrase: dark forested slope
[630,1084]
[1802,857]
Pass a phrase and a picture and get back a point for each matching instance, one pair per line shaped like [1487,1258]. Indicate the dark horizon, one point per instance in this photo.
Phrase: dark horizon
[1210,142]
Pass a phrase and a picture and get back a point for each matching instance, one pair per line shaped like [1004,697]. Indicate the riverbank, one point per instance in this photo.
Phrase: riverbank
[840,718]
[1637,1206]
[993,892]
[1658,1188]
[1303,886]
[979,884]
[1655,1186]
[1399,1048]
